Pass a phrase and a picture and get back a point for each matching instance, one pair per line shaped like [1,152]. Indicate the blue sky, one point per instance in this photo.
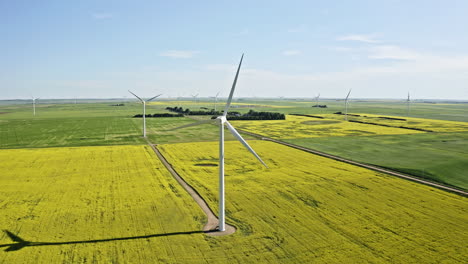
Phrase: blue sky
[100,49]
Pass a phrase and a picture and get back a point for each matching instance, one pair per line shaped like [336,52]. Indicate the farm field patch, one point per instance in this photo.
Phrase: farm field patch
[99,204]
[409,122]
[207,104]
[97,131]
[308,208]
[307,127]
[452,112]
[440,157]
[53,132]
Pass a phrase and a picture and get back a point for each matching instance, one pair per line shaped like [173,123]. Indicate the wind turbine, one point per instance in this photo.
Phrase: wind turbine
[34,104]
[195,98]
[346,105]
[407,105]
[317,99]
[215,100]
[144,109]
[222,121]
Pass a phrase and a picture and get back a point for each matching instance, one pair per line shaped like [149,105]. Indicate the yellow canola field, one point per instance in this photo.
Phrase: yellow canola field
[113,204]
[309,209]
[308,127]
[411,122]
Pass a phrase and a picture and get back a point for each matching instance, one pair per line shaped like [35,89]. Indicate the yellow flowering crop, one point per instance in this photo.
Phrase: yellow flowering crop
[410,122]
[308,127]
[307,209]
[118,204]
[95,193]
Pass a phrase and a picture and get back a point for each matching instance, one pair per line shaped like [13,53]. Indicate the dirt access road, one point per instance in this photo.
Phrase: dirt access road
[211,227]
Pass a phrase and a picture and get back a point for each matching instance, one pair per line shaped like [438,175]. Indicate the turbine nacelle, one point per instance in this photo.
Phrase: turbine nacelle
[222,119]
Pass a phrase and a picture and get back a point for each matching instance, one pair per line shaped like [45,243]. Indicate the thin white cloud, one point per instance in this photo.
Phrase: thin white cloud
[393,53]
[298,29]
[241,33]
[291,52]
[219,67]
[179,54]
[340,49]
[359,38]
[101,16]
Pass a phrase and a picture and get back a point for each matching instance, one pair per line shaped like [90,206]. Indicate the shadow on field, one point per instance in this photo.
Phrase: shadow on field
[21,243]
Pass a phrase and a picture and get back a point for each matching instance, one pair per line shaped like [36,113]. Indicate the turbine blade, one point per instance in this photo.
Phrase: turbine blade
[239,137]
[136,96]
[14,237]
[217,95]
[15,247]
[228,104]
[153,97]
[348,94]
[196,123]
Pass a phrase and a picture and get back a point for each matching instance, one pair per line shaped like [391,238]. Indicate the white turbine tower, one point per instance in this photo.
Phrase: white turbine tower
[195,98]
[222,121]
[34,104]
[317,100]
[215,100]
[346,105]
[144,109]
[407,105]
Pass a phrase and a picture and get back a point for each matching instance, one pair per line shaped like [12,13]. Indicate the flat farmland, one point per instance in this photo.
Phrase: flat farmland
[307,208]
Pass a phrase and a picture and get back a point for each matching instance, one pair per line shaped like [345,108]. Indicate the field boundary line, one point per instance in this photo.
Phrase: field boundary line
[364,165]
[212,221]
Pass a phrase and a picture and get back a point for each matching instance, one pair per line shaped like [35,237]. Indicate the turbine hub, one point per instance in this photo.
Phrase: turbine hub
[221,119]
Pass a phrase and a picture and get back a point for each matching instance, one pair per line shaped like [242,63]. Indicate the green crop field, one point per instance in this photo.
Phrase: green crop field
[90,125]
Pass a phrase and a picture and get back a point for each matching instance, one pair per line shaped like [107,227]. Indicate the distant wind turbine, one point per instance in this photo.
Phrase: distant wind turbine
[346,105]
[215,100]
[222,121]
[34,104]
[195,97]
[144,109]
[407,105]
[317,99]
